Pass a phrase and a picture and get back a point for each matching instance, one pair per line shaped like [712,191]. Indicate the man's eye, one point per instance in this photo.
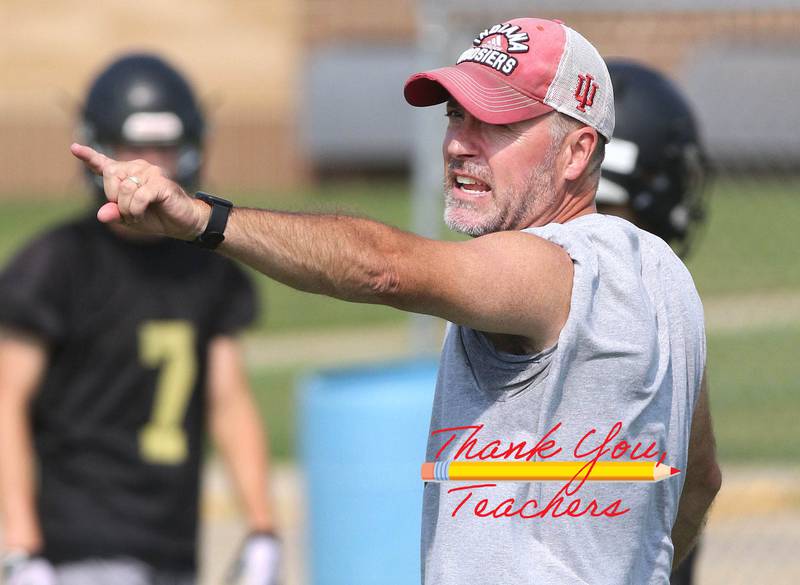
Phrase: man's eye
[453,114]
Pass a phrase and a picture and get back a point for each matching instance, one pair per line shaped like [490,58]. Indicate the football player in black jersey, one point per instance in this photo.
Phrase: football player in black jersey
[655,173]
[116,351]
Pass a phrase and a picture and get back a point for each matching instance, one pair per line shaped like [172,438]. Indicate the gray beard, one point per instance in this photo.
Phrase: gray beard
[539,188]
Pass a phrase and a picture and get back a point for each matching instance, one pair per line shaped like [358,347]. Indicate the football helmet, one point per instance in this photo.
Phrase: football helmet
[141,100]
[655,163]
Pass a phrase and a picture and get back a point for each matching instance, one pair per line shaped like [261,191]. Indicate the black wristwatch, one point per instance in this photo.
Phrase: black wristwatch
[215,230]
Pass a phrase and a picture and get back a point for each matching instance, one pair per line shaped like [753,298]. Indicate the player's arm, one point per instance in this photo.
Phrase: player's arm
[703,480]
[237,431]
[238,434]
[23,360]
[361,260]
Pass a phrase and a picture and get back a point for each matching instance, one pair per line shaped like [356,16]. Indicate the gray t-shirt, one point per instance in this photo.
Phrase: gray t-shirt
[632,351]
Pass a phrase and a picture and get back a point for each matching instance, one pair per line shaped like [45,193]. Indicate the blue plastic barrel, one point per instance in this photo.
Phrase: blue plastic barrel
[363,433]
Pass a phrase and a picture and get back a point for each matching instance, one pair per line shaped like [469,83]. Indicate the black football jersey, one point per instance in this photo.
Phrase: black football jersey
[119,418]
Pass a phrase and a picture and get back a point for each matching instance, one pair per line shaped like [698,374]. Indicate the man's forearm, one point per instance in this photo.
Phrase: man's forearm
[703,479]
[695,501]
[349,258]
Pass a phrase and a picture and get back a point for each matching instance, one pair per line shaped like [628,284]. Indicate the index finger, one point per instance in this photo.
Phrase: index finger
[93,160]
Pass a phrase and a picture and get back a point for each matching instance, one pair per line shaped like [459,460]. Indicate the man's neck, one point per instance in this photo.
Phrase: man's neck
[572,207]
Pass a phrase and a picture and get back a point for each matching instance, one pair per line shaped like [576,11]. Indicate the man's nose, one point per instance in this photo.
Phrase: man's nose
[462,142]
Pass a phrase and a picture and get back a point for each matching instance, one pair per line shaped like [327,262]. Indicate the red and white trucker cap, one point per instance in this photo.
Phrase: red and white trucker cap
[522,69]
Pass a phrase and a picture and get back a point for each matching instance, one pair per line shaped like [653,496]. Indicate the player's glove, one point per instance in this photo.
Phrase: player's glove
[21,568]
[258,562]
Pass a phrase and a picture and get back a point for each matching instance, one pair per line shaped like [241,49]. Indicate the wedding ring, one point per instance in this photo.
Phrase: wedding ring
[134,179]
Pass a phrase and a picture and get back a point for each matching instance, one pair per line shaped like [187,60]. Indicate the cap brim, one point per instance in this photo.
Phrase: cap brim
[483,94]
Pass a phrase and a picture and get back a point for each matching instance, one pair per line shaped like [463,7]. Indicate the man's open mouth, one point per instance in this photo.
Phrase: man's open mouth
[471,185]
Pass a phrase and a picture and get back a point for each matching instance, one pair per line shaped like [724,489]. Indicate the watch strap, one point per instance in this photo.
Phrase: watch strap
[214,233]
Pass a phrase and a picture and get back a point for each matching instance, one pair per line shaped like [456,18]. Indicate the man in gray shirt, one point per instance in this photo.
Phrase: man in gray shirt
[575,336]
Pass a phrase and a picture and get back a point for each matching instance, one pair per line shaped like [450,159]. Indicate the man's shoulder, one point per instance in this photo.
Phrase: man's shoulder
[582,237]
[657,266]
[621,237]
[612,249]
[598,227]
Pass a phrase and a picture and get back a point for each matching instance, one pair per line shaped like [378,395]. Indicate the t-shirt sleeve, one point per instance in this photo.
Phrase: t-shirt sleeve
[34,287]
[238,308]
[585,277]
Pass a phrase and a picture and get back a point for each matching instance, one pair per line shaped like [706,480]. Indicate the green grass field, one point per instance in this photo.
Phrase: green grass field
[749,246]
[754,379]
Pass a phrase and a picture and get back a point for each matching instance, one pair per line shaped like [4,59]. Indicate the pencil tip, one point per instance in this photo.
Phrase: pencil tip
[674,471]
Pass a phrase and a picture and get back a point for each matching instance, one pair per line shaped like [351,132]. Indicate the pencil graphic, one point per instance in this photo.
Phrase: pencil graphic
[546,471]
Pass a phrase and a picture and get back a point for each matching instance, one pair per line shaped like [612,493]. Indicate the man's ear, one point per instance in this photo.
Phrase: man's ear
[579,146]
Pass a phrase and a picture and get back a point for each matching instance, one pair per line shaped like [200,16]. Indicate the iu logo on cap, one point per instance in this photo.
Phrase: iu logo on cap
[585,92]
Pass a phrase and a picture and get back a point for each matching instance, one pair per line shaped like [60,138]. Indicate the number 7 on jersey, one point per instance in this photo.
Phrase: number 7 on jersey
[169,346]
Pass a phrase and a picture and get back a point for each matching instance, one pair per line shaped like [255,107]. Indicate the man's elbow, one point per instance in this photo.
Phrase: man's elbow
[379,281]
[384,284]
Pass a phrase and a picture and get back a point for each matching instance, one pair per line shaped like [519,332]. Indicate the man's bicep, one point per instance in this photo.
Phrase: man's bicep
[508,282]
